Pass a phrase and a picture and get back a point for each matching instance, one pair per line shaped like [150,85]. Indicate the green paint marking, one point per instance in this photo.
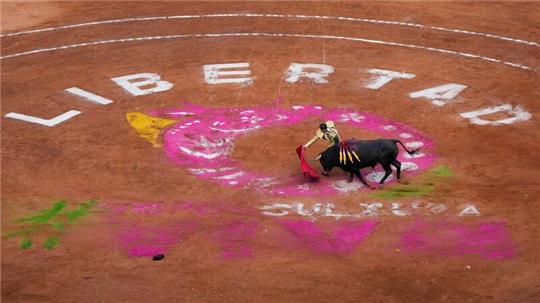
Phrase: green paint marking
[59,226]
[403,192]
[442,171]
[81,211]
[43,221]
[45,215]
[21,232]
[26,244]
[425,186]
[51,242]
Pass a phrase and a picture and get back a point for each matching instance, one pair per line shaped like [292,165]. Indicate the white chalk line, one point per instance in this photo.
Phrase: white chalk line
[467,55]
[232,15]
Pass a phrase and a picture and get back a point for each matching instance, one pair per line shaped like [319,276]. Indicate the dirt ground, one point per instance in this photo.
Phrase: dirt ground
[88,202]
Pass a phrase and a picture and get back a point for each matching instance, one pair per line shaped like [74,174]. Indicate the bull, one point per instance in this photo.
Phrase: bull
[367,153]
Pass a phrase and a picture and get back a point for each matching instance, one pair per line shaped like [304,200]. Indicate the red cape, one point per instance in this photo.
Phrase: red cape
[306,169]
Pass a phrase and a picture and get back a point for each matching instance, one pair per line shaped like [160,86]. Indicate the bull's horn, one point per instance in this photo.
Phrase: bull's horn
[318,157]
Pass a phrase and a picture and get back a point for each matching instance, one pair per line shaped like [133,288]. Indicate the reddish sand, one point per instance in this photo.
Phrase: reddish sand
[220,248]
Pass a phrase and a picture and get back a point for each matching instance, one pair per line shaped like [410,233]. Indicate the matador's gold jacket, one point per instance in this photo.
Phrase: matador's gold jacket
[331,135]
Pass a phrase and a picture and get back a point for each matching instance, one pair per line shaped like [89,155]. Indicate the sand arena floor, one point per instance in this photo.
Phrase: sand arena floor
[131,130]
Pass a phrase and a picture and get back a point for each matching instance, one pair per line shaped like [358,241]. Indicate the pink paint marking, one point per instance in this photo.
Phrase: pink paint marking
[141,241]
[148,240]
[234,237]
[489,240]
[204,138]
[148,208]
[343,239]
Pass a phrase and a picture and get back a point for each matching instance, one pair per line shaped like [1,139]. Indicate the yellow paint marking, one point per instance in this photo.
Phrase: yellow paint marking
[148,127]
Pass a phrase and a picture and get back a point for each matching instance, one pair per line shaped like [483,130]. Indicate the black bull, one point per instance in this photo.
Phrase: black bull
[370,152]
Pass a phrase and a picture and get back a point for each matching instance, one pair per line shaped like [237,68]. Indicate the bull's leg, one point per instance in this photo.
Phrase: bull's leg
[397,164]
[359,175]
[325,172]
[387,170]
[350,179]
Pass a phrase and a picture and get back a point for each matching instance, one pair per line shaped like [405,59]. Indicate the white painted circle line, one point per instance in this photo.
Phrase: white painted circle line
[232,15]
[467,55]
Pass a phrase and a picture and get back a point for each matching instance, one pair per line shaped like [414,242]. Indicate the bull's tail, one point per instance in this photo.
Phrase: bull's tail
[410,152]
